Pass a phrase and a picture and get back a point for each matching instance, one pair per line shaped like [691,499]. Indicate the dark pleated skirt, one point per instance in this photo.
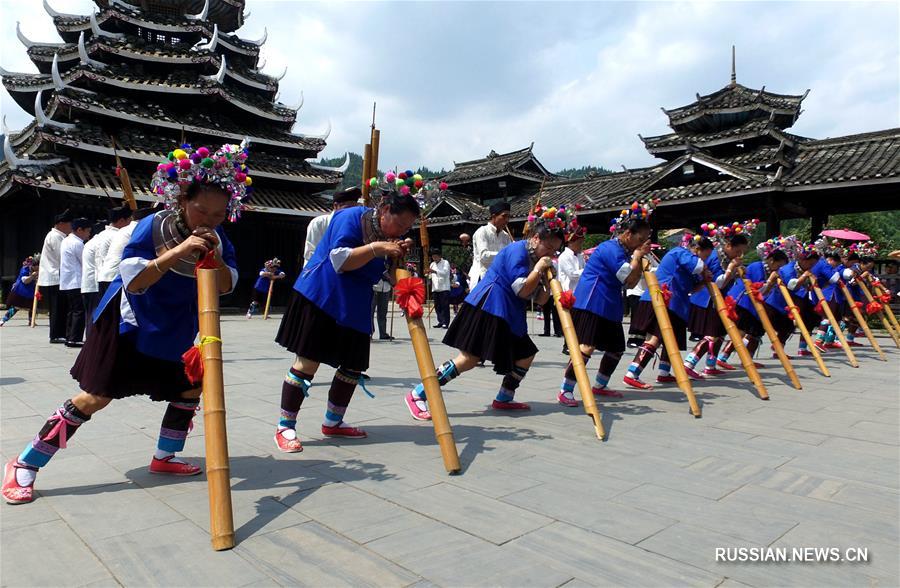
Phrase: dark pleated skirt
[13,299]
[748,323]
[488,337]
[705,321]
[782,324]
[110,365]
[598,332]
[308,331]
[645,320]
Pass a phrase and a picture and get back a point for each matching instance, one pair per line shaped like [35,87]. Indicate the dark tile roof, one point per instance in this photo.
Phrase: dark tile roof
[752,128]
[493,165]
[737,96]
[865,156]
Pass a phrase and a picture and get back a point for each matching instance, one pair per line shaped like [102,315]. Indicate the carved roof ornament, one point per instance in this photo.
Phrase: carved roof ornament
[339,169]
[98,32]
[323,136]
[83,54]
[54,14]
[43,120]
[15,162]
[213,41]
[203,13]
[262,40]
[220,75]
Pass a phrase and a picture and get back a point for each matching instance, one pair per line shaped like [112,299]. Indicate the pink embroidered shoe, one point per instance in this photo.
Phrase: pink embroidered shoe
[821,346]
[607,392]
[416,412]
[758,365]
[636,383]
[666,379]
[566,401]
[854,344]
[170,467]
[712,372]
[725,365]
[693,374]
[12,492]
[343,430]
[286,445]
[833,345]
[512,405]
[804,353]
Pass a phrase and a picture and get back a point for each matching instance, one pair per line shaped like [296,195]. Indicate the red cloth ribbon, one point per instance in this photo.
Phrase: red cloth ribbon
[208,261]
[791,312]
[411,296]
[38,295]
[886,298]
[858,305]
[730,305]
[874,307]
[666,294]
[755,288]
[567,299]
[193,364]
[819,308]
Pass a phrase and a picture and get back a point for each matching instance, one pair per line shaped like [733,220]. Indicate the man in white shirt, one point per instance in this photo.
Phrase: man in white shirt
[70,279]
[571,264]
[316,228]
[119,218]
[488,241]
[380,302]
[439,270]
[48,276]
[90,294]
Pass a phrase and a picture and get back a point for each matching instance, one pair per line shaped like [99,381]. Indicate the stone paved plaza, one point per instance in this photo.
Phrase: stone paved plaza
[540,502]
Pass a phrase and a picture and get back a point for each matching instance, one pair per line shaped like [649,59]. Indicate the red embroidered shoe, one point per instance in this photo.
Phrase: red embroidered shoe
[821,346]
[415,410]
[804,353]
[343,430]
[497,405]
[725,365]
[286,445]
[607,392]
[665,379]
[693,374]
[833,345]
[854,344]
[712,372]
[758,365]
[12,492]
[566,400]
[170,467]
[635,383]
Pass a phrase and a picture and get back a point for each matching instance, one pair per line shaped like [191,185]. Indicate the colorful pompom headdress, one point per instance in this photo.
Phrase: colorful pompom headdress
[575,230]
[225,168]
[807,250]
[641,210]
[556,220]
[408,182]
[865,249]
[274,262]
[787,244]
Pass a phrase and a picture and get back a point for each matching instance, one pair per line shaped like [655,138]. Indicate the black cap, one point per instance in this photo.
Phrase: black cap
[436,251]
[351,194]
[119,213]
[63,217]
[81,223]
[498,207]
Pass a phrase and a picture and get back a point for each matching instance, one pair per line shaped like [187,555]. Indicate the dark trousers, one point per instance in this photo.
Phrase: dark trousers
[90,300]
[632,301]
[550,314]
[442,307]
[380,303]
[58,307]
[102,286]
[75,315]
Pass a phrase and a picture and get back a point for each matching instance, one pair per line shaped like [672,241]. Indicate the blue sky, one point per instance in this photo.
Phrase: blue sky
[581,80]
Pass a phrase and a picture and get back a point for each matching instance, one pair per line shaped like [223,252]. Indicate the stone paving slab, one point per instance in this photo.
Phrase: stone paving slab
[540,501]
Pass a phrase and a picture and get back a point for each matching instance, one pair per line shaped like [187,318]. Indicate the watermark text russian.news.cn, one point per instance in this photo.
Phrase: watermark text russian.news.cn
[793,554]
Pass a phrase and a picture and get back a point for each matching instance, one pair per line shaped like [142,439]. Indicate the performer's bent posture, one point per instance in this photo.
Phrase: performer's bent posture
[148,317]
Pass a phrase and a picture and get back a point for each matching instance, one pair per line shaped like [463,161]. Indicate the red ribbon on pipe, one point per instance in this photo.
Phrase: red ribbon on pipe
[790,312]
[730,305]
[411,296]
[567,299]
[886,298]
[755,288]
[819,310]
[874,307]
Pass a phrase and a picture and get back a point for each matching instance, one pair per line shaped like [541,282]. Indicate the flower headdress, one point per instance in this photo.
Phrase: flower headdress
[32,260]
[225,168]
[274,262]
[865,249]
[555,219]
[787,244]
[641,210]
[409,183]
[807,250]
[575,230]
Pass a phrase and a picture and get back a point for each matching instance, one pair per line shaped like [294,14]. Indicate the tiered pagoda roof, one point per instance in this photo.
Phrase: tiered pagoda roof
[170,76]
[520,170]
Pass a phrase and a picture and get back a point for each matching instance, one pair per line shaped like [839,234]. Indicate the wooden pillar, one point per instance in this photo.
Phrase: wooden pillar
[773,219]
[817,225]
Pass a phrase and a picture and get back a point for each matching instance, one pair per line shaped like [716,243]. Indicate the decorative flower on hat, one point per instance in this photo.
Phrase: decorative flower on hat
[274,262]
[806,250]
[425,191]
[555,219]
[225,168]
[788,244]
[865,249]
[641,210]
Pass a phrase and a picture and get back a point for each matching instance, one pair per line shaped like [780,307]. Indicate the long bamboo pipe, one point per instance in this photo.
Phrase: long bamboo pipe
[268,299]
[876,286]
[737,341]
[439,419]
[884,320]
[34,302]
[770,332]
[221,520]
[798,321]
[864,325]
[581,375]
[668,337]
[851,357]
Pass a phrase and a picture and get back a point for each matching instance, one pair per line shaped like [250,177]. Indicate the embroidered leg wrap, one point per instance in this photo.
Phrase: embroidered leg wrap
[641,359]
[342,387]
[752,344]
[294,389]
[445,373]
[697,352]
[176,424]
[715,343]
[726,352]
[52,437]
[822,331]
[568,384]
[10,312]
[608,364]
[510,382]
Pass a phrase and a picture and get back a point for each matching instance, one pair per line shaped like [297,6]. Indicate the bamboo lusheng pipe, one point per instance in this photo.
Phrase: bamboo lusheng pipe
[737,341]
[887,305]
[884,320]
[668,338]
[124,179]
[798,321]
[268,299]
[771,333]
[439,419]
[864,325]
[367,173]
[581,375]
[221,521]
[34,302]
[851,357]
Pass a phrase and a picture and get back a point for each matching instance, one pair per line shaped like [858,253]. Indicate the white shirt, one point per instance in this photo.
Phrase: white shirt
[641,286]
[486,244]
[49,266]
[70,262]
[440,276]
[113,256]
[101,249]
[314,232]
[382,286]
[89,266]
[571,266]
